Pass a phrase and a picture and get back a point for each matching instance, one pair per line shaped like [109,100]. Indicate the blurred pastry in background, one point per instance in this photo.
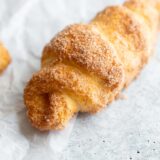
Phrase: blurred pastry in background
[4,58]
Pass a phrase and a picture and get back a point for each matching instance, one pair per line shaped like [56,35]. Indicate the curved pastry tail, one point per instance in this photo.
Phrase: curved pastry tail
[48,110]
[60,111]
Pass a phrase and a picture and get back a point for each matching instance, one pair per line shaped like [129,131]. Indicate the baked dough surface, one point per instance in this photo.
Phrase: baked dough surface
[86,66]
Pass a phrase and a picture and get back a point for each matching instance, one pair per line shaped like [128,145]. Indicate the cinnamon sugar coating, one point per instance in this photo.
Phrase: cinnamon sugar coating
[85,66]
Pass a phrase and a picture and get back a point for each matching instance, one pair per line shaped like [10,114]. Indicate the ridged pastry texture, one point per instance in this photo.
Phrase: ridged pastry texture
[4,58]
[86,66]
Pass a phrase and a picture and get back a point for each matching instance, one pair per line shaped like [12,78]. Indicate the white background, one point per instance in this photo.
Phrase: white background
[117,133]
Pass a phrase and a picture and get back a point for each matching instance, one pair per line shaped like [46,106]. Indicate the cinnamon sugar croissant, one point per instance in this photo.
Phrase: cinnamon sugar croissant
[86,66]
[4,58]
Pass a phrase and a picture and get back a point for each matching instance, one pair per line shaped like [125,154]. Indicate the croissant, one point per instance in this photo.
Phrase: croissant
[86,66]
[4,58]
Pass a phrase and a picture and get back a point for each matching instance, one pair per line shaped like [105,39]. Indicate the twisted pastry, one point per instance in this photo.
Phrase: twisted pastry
[87,65]
[4,58]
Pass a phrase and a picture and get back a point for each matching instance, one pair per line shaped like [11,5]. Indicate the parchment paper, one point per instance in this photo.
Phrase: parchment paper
[118,132]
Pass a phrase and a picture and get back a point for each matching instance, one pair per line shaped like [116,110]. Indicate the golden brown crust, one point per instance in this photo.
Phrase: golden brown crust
[4,58]
[83,46]
[126,34]
[148,13]
[85,66]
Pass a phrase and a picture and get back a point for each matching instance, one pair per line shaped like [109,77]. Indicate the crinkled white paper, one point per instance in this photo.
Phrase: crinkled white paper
[127,129]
